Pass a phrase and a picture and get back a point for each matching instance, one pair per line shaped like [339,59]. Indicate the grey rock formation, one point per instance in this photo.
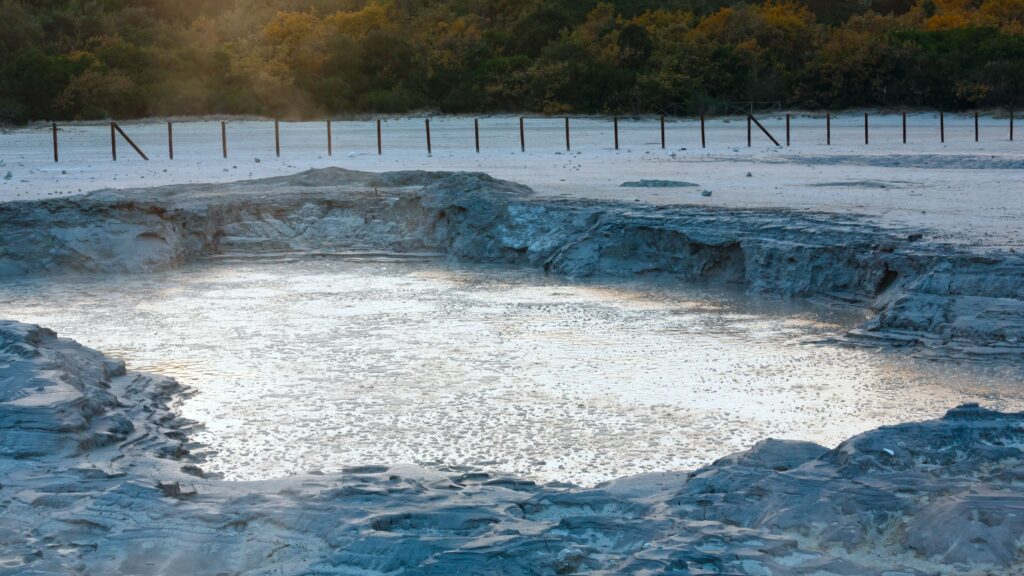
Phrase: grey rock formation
[925,294]
[939,497]
[658,184]
[941,489]
[60,399]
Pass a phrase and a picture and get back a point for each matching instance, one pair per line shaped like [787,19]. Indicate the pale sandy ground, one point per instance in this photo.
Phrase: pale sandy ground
[965,191]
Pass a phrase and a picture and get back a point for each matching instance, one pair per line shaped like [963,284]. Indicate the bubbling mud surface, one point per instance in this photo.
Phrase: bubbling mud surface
[306,364]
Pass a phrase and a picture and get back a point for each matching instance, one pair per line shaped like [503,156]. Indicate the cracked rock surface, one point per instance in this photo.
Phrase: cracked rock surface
[924,294]
[111,489]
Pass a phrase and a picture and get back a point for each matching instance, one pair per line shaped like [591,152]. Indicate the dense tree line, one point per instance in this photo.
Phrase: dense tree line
[64,59]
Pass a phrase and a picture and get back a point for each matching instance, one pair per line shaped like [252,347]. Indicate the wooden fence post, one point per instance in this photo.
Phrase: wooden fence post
[942,127]
[703,140]
[522,135]
[56,156]
[662,131]
[430,148]
[476,133]
[866,140]
[749,117]
[224,138]
[277,137]
[113,142]
[330,140]
[1011,124]
[380,141]
[904,127]
[130,142]
[170,141]
[828,128]
[568,146]
[787,129]
[975,125]
[615,123]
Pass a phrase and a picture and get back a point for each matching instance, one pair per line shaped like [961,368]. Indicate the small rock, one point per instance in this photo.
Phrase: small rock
[192,470]
[569,561]
[257,160]
[9,175]
[705,192]
[173,490]
[749,175]
[170,489]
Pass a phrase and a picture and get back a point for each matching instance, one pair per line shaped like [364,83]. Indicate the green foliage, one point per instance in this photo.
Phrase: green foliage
[983,65]
[125,58]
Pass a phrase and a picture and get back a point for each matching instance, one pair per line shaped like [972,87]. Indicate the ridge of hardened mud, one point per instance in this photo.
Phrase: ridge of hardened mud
[99,480]
[927,293]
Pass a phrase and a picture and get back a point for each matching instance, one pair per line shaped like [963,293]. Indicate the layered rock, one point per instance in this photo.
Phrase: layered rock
[938,497]
[926,295]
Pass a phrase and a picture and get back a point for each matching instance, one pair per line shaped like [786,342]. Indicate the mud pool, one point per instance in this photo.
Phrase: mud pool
[304,364]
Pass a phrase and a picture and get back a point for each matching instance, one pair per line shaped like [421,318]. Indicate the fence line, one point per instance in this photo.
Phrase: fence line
[330,144]
[116,130]
[277,137]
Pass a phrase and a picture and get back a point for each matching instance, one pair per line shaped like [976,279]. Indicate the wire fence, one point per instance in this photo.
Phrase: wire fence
[227,138]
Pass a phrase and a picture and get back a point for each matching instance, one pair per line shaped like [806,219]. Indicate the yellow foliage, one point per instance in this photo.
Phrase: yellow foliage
[666,25]
[949,14]
[718,24]
[202,32]
[776,23]
[1007,15]
[600,18]
[359,23]
[786,15]
[448,41]
[947,22]
[290,29]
